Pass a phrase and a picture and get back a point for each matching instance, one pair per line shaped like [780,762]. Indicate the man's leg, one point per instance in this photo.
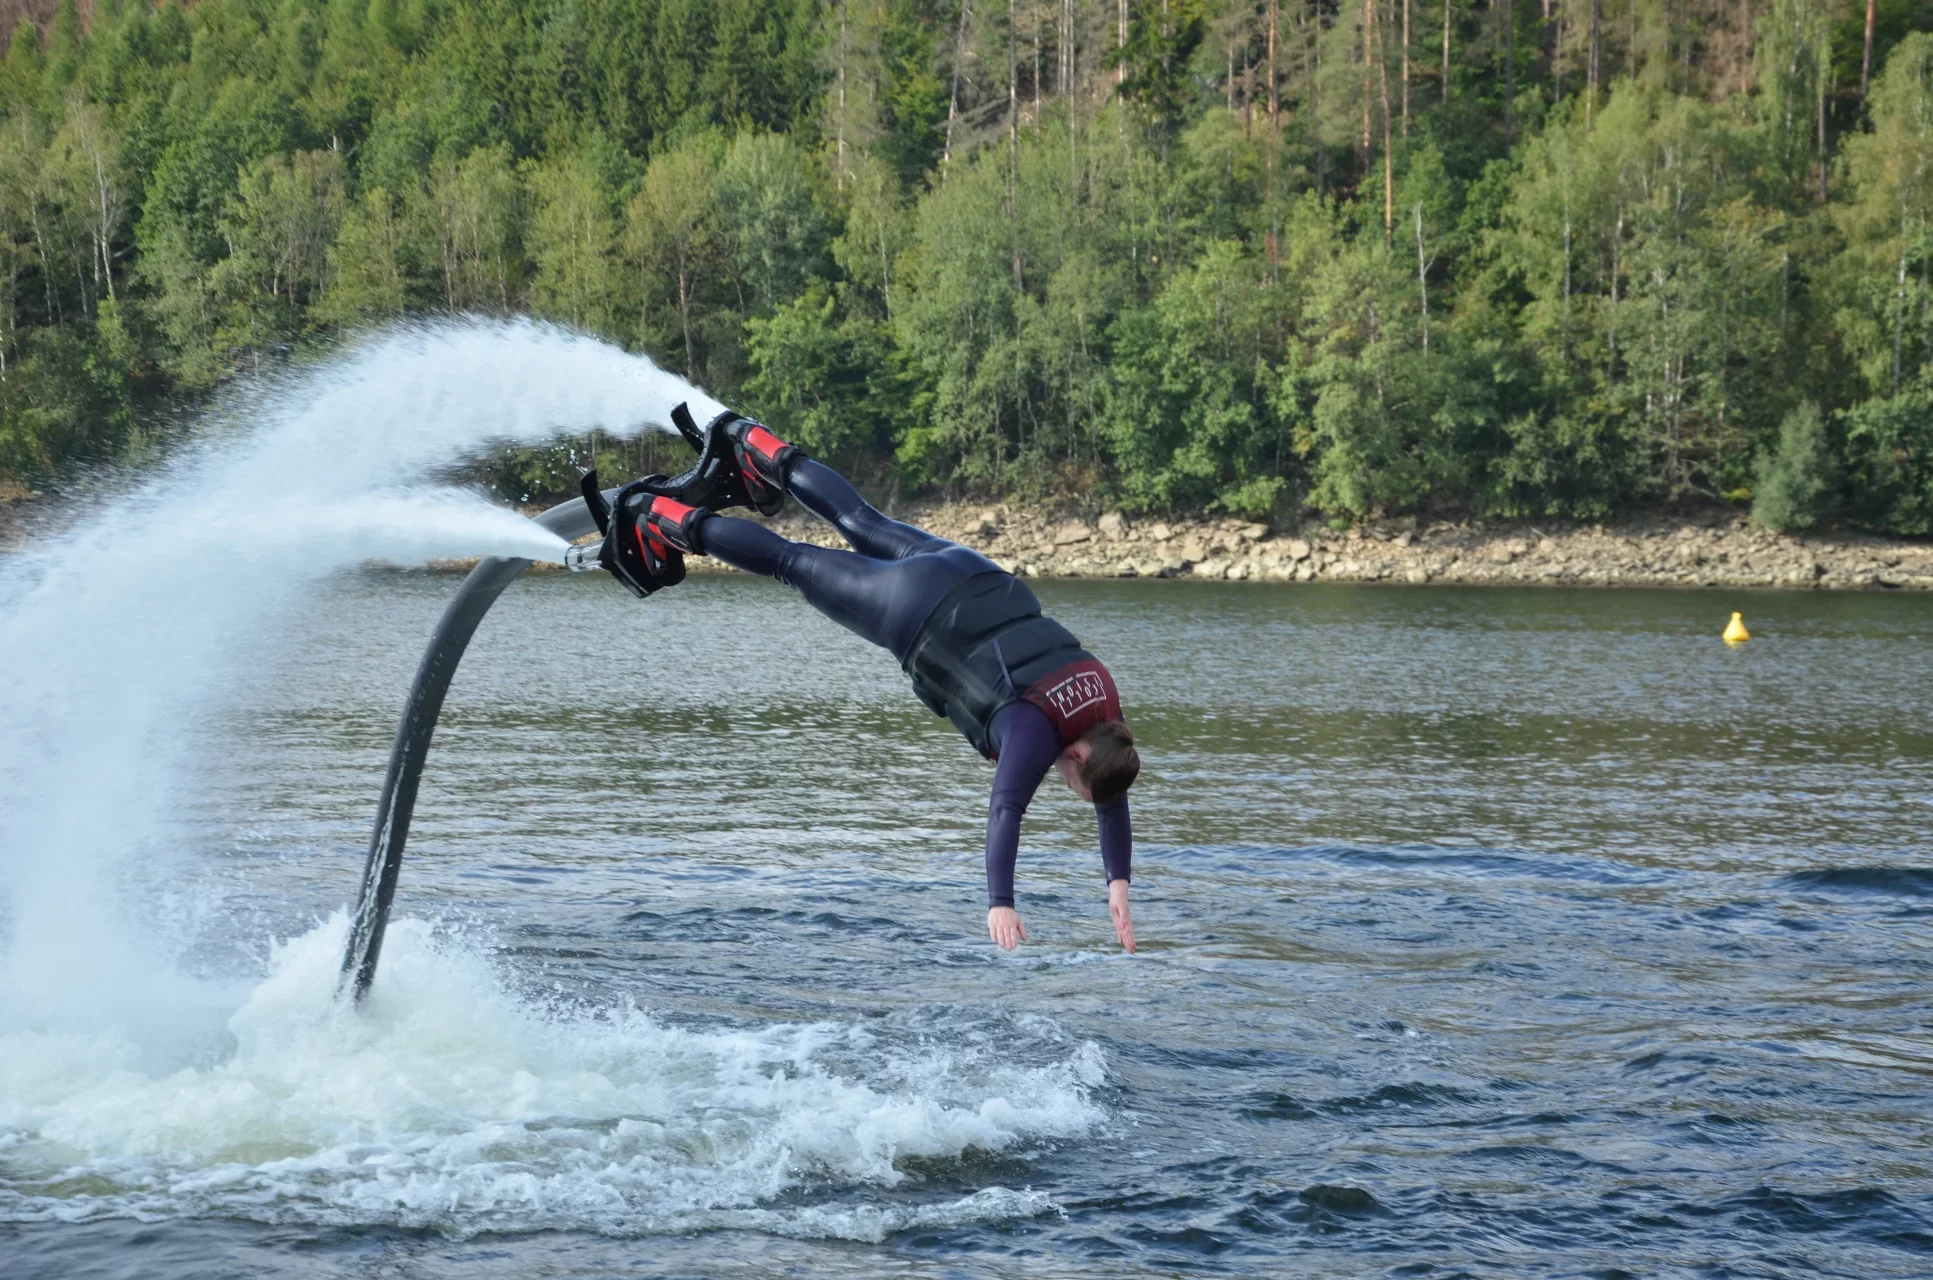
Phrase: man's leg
[826,494]
[831,497]
[858,592]
[769,468]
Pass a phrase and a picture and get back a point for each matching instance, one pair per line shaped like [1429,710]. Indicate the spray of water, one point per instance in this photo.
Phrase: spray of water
[116,636]
[447,1101]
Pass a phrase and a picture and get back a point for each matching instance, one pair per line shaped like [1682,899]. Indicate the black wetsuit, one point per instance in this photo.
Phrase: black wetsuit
[885,590]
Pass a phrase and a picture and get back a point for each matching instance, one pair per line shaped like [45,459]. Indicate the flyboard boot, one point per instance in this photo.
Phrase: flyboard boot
[647,530]
[650,528]
[630,552]
[759,459]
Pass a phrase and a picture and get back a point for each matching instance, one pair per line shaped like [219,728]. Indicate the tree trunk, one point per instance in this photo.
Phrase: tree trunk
[1067,78]
[1422,277]
[1899,299]
[953,100]
[1866,64]
[1013,143]
[684,314]
[1064,79]
[1446,50]
[1314,20]
[107,219]
[1825,74]
[1553,38]
[839,176]
[1121,40]
[1364,30]
[1389,154]
[1510,78]
[1590,98]
[1036,71]
[1248,98]
[1567,272]
[1406,6]
[1617,264]
[1275,98]
[46,261]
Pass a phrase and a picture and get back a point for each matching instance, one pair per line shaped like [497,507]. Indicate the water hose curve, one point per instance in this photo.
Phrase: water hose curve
[570,521]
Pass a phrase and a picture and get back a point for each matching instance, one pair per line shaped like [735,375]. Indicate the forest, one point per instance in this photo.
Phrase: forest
[1290,258]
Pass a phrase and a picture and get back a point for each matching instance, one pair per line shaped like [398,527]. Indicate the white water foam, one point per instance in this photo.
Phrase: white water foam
[447,1103]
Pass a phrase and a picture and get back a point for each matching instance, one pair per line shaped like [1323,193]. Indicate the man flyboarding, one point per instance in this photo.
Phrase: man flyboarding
[971,636]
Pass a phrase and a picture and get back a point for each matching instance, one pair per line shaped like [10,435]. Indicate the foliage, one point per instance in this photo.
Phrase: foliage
[1795,480]
[1528,266]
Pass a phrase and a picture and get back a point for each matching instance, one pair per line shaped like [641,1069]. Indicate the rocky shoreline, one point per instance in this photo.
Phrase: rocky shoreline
[1708,550]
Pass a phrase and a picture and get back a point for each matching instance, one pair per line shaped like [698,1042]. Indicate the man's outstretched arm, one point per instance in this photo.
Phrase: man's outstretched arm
[1117,858]
[1027,743]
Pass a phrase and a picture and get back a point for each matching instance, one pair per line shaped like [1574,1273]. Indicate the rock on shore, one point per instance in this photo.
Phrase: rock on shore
[1708,550]
[1656,550]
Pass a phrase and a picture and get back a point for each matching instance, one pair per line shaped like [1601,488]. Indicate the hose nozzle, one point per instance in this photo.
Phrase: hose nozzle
[584,558]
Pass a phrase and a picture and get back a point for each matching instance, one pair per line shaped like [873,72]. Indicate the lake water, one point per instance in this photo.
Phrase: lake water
[1484,932]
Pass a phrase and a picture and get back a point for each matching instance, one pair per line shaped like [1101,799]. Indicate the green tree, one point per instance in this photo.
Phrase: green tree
[1796,478]
[278,229]
[774,226]
[1882,274]
[960,326]
[1794,64]
[476,207]
[1162,40]
[573,244]
[877,231]
[87,177]
[1383,416]
[365,278]
[1188,409]
[831,384]
[672,234]
[1655,285]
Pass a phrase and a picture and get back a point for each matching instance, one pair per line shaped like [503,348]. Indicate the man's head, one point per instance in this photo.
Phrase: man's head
[1103,764]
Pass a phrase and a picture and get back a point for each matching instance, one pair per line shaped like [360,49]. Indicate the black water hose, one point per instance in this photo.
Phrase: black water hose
[570,521]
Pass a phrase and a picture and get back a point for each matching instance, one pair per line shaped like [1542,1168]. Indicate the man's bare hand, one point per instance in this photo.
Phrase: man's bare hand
[1004,927]
[1117,907]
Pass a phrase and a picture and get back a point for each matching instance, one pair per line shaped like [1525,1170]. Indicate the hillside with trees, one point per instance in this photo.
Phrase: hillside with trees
[1524,258]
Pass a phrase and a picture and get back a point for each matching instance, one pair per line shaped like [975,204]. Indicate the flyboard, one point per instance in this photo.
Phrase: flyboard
[569,521]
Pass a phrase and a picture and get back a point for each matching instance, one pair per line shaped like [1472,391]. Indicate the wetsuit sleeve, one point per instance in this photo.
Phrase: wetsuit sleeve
[1117,838]
[1028,744]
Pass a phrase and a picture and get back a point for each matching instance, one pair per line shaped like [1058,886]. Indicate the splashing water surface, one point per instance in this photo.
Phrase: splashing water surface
[448,1103]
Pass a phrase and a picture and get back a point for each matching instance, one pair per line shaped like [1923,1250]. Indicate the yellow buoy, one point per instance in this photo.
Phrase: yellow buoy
[1735,632]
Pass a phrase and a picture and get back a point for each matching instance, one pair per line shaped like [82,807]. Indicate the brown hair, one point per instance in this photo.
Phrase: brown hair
[1112,763]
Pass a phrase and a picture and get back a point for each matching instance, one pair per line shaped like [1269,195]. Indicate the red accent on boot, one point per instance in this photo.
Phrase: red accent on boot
[670,520]
[766,443]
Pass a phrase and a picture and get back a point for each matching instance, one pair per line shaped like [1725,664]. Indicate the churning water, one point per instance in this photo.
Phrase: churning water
[1484,933]
[449,1103]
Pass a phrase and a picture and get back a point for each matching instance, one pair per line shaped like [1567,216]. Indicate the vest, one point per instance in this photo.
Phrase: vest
[986,646]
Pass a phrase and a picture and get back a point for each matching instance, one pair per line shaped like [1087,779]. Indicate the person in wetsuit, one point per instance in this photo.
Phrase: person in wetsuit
[972,637]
